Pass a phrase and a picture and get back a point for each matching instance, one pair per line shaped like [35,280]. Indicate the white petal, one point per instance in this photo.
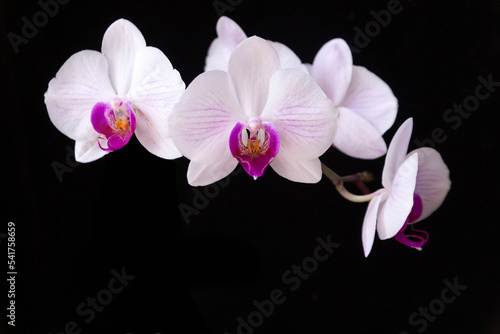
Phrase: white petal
[304,116]
[332,69]
[202,175]
[251,67]
[79,84]
[307,171]
[156,87]
[202,121]
[369,224]
[397,207]
[88,151]
[288,58]
[433,180]
[229,36]
[396,152]
[371,98]
[357,138]
[120,44]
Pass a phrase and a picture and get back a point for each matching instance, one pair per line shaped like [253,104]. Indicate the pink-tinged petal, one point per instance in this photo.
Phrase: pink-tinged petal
[80,83]
[304,171]
[356,137]
[120,45]
[251,67]
[370,224]
[229,36]
[202,175]
[332,69]
[396,208]
[433,180]
[305,117]
[156,87]
[396,152]
[102,117]
[254,154]
[201,122]
[371,98]
[88,151]
[288,58]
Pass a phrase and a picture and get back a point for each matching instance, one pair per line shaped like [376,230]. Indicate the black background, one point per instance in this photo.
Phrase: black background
[122,210]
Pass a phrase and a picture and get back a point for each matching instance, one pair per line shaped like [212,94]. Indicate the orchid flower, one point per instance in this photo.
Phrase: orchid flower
[229,36]
[101,99]
[415,185]
[256,114]
[366,104]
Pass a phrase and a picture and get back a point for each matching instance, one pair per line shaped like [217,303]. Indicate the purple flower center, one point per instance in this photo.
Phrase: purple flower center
[116,121]
[413,240]
[254,145]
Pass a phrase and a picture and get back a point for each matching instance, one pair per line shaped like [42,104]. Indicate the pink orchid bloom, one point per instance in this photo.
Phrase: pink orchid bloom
[366,104]
[101,99]
[229,36]
[256,114]
[415,185]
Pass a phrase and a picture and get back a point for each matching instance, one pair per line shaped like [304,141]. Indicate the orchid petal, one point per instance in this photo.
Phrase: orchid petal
[397,206]
[357,138]
[120,45]
[371,98]
[304,171]
[304,116]
[433,181]
[369,224]
[332,69]
[88,151]
[396,152]
[288,58]
[156,87]
[251,67]
[201,122]
[229,36]
[80,83]
[202,175]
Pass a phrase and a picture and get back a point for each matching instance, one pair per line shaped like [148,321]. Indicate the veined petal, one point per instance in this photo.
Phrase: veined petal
[201,122]
[155,88]
[371,98]
[80,83]
[251,67]
[356,137]
[305,117]
[332,69]
[396,152]
[397,207]
[120,45]
[304,171]
[202,175]
[433,180]
[88,151]
[229,36]
[370,224]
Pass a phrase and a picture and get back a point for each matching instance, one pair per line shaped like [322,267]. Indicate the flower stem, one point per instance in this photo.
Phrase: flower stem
[338,182]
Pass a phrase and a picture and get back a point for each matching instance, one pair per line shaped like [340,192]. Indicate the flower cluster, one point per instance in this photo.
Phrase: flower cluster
[256,104]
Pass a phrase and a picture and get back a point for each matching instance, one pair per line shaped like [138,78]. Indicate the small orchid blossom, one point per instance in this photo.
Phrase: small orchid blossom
[415,185]
[101,99]
[229,36]
[366,104]
[255,114]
